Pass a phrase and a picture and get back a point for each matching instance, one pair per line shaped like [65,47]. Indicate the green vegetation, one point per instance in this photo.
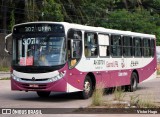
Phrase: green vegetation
[134,101]
[158,72]
[4,78]
[97,97]
[131,15]
[119,99]
[119,94]
[146,103]
[52,11]
[4,63]
[4,69]
[138,102]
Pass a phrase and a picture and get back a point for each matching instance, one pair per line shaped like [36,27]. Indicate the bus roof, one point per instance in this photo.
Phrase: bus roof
[95,29]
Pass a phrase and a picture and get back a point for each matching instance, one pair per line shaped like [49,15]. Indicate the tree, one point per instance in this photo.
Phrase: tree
[137,21]
[52,11]
[120,20]
[31,10]
[133,15]
[12,20]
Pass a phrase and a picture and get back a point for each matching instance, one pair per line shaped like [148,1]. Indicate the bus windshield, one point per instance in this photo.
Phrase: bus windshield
[39,51]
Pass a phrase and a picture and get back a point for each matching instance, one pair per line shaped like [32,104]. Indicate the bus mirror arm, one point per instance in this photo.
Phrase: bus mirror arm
[5,49]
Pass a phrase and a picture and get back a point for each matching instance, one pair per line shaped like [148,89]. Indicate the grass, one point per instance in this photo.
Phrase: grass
[100,105]
[97,97]
[134,99]
[146,103]
[119,94]
[4,78]
[138,102]
[4,64]
[4,69]
[119,101]
[158,69]
[158,72]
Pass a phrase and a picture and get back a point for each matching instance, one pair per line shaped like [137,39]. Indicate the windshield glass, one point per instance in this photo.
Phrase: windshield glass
[39,51]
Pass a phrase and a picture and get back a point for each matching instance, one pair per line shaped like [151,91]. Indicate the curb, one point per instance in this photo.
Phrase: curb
[4,72]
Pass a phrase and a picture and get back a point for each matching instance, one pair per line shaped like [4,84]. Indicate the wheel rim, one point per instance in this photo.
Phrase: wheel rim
[134,83]
[87,87]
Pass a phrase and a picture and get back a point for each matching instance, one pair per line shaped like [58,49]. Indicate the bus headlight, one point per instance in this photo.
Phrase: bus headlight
[15,78]
[59,76]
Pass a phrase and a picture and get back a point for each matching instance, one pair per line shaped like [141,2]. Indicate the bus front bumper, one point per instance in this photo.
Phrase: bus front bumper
[57,86]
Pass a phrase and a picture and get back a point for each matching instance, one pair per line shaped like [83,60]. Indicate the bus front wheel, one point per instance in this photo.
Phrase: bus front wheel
[43,93]
[87,88]
[133,82]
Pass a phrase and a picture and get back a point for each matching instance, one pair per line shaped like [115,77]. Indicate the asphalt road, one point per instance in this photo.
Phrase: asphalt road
[16,99]
[20,99]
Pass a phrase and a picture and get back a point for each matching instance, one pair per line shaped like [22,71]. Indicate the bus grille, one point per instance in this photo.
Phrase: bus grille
[24,79]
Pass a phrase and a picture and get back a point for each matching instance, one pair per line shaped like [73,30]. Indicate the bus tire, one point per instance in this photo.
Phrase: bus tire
[133,82]
[43,93]
[87,88]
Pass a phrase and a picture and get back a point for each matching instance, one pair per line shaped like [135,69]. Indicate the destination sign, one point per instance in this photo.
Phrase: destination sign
[36,28]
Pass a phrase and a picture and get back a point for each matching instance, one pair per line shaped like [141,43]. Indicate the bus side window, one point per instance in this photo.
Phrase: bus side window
[152,47]
[103,45]
[90,42]
[116,47]
[127,46]
[146,49]
[137,47]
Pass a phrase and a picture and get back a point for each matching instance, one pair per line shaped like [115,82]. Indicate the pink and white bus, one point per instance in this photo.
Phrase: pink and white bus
[65,57]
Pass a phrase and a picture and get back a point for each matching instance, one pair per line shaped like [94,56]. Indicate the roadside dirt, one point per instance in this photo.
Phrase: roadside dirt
[145,98]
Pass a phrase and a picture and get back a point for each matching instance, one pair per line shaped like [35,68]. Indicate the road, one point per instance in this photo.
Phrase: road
[20,99]
[16,99]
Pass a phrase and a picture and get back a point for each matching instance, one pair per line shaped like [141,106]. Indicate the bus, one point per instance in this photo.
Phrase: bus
[66,57]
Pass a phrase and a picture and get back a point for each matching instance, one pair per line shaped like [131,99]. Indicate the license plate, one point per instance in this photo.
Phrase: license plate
[33,85]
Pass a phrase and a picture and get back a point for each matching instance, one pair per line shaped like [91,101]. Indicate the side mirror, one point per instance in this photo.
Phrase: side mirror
[75,49]
[6,43]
